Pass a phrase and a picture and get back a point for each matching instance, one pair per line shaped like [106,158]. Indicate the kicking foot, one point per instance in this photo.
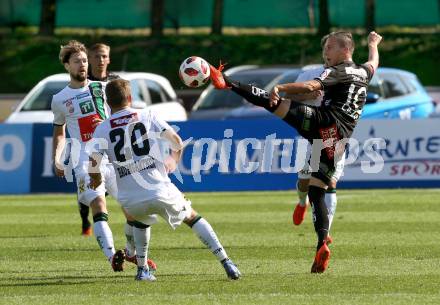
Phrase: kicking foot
[298,214]
[118,261]
[217,79]
[231,270]
[143,274]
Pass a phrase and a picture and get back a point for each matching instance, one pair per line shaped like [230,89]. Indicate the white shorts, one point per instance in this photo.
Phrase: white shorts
[174,210]
[306,171]
[85,194]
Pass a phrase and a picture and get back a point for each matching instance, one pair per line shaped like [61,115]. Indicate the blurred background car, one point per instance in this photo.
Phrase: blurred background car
[392,94]
[148,90]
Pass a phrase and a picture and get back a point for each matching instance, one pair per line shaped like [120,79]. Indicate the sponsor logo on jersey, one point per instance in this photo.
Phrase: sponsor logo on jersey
[87,126]
[330,134]
[359,72]
[82,95]
[86,107]
[324,74]
[123,120]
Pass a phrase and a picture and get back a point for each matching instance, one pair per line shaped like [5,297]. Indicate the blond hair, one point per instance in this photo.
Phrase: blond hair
[99,46]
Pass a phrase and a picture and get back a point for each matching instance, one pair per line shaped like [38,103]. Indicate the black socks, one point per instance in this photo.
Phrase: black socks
[320,213]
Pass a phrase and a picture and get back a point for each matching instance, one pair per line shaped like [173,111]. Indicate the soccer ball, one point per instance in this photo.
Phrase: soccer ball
[194,71]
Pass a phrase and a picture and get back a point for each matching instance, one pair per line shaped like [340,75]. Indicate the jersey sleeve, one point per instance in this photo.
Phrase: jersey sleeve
[329,77]
[369,69]
[59,116]
[159,124]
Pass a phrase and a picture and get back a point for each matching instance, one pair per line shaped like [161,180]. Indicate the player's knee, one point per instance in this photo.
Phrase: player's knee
[332,184]
[303,185]
[98,205]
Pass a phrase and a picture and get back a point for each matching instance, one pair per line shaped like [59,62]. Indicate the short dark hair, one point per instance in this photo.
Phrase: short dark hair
[72,47]
[118,92]
[344,39]
[99,46]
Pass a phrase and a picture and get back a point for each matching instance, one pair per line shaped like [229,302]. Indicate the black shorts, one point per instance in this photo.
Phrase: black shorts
[318,123]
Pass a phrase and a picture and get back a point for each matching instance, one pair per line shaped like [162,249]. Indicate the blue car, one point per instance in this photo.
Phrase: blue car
[392,94]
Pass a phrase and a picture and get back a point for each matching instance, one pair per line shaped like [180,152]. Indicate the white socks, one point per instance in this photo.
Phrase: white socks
[330,202]
[104,237]
[141,240]
[129,245]
[207,235]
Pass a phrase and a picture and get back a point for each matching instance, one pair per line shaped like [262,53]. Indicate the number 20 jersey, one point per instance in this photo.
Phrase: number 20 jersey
[345,92]
[132,141]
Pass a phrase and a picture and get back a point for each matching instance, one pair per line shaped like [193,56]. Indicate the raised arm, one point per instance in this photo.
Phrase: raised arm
[373,53]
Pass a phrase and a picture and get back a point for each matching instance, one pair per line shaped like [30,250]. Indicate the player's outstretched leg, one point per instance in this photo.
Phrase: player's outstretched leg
[207,235]
[141,234]
[86,226]
[257,96]
[321,223]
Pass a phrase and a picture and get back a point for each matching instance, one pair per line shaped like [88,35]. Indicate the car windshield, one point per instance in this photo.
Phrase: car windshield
[42,98]
[227,99]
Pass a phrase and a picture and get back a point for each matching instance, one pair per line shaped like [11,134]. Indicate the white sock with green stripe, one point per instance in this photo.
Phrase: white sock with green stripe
[141,240]
[103,234]
[330,202]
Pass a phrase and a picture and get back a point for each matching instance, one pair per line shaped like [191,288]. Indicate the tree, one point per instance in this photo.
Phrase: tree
[324,20]
[47,19]
[157,17]
[370,9]
[217,17]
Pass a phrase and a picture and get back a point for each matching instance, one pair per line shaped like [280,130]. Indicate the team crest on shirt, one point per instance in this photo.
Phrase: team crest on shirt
[69,105]
[324,74]
[97,92]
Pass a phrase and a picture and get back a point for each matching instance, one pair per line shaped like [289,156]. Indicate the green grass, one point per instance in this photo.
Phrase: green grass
[386,250]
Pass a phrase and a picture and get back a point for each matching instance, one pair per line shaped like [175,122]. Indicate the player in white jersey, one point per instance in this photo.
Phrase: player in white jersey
[130,138]
[304,175]
[80,106]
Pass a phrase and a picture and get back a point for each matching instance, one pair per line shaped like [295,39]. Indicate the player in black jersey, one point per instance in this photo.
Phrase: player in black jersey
[345,88]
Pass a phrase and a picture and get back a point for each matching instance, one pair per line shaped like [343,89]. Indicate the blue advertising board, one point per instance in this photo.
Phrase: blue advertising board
[15,158]
[240,155]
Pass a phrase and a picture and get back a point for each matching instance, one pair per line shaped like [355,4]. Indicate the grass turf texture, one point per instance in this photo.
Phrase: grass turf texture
[386,250]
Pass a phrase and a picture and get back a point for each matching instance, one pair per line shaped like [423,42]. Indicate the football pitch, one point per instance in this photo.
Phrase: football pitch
[386,250]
